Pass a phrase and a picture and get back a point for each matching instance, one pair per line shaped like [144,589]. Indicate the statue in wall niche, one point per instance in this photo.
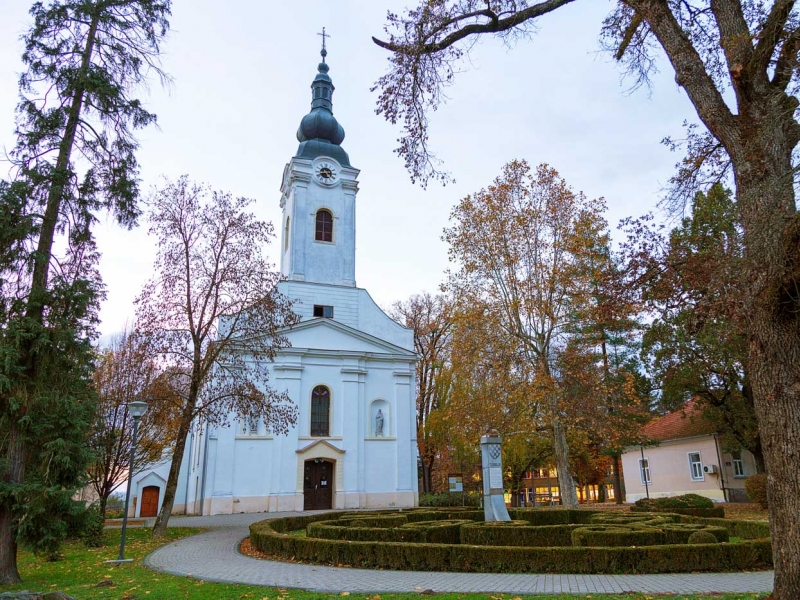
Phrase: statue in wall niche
[379,424]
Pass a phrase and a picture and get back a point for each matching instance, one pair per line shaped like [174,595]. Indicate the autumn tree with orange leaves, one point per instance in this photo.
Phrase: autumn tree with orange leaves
[430,318]
[520,247]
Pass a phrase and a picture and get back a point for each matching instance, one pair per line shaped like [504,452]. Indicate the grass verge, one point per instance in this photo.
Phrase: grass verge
[82,569]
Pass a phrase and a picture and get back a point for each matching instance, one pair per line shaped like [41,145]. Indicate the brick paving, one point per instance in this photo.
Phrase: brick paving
[214,556]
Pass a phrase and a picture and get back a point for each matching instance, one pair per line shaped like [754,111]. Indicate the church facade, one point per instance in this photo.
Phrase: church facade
[350,369]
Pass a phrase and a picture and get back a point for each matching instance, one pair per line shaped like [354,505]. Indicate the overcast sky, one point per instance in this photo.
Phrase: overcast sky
[242,72]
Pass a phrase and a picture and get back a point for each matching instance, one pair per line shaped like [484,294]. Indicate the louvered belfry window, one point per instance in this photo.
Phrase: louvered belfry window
[324,231]
[320,411]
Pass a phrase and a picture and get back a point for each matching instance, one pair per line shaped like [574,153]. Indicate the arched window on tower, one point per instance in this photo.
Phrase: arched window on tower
[324,230]
[286,236]
[320,411]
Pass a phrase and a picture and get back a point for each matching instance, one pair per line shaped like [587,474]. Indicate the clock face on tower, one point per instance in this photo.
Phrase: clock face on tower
[326,173]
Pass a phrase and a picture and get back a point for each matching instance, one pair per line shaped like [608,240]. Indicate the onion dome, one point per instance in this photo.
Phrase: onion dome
[319,133]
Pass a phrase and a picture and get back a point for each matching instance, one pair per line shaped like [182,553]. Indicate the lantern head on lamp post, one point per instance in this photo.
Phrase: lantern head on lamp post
[136,410]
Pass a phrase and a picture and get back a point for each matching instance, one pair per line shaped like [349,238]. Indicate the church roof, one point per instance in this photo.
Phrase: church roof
[320,134]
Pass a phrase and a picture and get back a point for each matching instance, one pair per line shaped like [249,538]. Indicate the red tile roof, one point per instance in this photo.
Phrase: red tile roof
[687,422]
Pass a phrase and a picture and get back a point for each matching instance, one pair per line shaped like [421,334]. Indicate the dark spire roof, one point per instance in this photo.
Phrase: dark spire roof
[319,133]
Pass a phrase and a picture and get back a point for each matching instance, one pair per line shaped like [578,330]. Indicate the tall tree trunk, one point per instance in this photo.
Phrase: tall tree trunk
[619,495]
[772,242]
[8,532]
[160,527]
[561,449]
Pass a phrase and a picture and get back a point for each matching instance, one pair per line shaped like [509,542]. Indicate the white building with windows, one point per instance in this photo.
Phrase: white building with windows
[688,459]
[350,368]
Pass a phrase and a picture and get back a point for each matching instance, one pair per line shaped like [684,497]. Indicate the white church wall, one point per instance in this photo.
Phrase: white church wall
[374,321]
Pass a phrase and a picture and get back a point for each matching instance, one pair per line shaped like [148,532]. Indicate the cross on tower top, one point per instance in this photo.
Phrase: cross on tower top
[323,52]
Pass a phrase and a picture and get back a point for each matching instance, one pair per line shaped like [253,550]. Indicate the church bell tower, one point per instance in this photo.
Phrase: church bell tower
[319,196]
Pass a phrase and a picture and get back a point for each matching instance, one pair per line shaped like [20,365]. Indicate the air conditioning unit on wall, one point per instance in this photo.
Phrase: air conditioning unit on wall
[711,469]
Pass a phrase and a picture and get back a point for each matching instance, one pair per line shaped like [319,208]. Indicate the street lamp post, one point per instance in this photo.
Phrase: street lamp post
[136,410]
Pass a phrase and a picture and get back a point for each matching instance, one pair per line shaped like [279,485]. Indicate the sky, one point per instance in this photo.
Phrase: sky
[241,83]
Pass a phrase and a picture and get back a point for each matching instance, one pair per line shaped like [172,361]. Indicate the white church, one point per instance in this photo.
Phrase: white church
[350,369]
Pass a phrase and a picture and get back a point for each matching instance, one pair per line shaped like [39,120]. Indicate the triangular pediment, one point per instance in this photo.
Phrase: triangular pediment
[320,443]
[327,334]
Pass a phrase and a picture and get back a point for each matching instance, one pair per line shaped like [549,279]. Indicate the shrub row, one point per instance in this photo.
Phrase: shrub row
[557,516]
[434,532]
[748,530]
[716,512]
[450,499]
[491,534]
[627,519]
[380,521]
[670,502]
[265,536]
[617,535]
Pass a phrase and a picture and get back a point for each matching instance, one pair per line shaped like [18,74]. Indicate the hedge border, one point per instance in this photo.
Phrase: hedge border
[718,512]
[271,538]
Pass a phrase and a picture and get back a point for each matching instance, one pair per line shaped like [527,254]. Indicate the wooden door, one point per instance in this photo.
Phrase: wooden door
[149,501]
[318,485]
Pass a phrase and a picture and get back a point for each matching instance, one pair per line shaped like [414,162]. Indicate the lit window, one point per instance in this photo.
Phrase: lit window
[696,466]
[644,471]
[320,411]
[323,311]
[324,229]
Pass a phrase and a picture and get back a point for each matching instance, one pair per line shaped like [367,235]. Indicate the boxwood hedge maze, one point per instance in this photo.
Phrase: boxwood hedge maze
[535,541]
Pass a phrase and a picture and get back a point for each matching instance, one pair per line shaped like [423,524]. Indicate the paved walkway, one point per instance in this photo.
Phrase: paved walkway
[214,556]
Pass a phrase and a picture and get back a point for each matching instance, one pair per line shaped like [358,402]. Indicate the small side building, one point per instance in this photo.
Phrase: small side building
[688,459]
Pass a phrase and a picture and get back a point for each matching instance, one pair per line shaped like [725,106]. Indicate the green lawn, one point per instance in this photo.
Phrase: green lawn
[82,569]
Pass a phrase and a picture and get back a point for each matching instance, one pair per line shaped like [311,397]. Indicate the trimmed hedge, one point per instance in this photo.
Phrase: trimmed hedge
[748,530]
[447,499]
[439,532]
[381,521]
[269,537]
[557,516]
[670,502]
[611,535]
[681,533]
[717,512]
[489,534]
[629,520]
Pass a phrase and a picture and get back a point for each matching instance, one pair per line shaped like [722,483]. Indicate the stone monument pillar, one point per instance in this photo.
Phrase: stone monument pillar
[494,505]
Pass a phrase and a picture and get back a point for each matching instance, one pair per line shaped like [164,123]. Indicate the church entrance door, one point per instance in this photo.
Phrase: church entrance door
[318,485]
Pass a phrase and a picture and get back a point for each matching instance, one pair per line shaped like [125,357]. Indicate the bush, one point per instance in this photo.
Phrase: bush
[439,532]
[748,530]
[450,499]
[619,535]
[86,523]
[627,519]
[756,488]
[717,512]
[558,516]
[382,521]
[684,501]
[702,537]
[681,533]
[523,534]
[272,538]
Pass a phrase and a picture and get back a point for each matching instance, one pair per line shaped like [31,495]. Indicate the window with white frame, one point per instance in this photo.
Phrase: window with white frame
[250,426]
[738,465]
[696,466]
[644,471]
